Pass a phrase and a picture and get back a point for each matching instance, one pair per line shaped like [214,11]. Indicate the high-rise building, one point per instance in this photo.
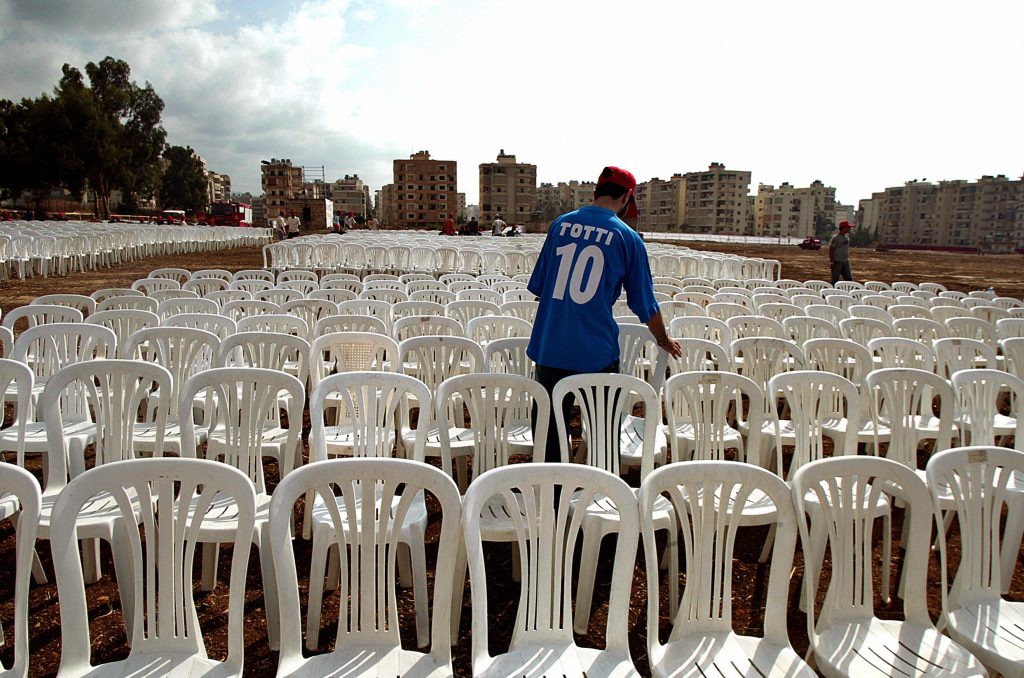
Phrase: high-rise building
[716,200]
[783,212]
[987,214]
[281,182]
[350,195]
[218,187]
[508,188]
[387,206]
[556,199]
[658,203]
[425,191]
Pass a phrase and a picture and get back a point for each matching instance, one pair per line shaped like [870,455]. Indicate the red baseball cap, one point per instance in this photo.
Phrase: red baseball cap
[845,224]
[625,179]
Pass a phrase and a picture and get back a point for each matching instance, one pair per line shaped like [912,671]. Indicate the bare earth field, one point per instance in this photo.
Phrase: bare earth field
[956,271]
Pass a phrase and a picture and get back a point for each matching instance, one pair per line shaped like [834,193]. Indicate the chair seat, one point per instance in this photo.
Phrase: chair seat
[728,654]
[631,442]
[991,630]
[531,660]
[9,505]
[366,663]
[222,515]
[339,439]
[876,647]
[415,515]
[146,665]
[95,518]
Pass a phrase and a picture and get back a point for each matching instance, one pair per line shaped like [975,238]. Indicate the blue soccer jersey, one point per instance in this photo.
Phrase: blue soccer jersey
[588,257]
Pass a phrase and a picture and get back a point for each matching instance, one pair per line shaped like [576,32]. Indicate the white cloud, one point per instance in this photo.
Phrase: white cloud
[860,95]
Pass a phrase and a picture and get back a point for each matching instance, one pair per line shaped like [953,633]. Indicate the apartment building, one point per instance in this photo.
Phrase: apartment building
[281,181]
[425,191]
[987,215]
[387,206]
[556,199]
[350,195]
[659,203]
[218,187]
[716,200]
[508,188]
[784,212]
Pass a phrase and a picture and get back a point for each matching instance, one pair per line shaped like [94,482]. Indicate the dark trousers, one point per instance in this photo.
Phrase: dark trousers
[841,271]
[548,377]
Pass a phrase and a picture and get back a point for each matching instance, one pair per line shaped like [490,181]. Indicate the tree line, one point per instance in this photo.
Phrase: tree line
[99,131]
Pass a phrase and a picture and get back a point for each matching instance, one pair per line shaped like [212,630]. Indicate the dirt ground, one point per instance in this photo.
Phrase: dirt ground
[962,272]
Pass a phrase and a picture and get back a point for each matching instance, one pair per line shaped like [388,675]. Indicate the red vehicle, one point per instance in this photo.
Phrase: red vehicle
[810,243]
[229,214]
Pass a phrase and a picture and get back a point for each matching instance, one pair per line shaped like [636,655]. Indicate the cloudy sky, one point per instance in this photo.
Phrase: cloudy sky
[861,95]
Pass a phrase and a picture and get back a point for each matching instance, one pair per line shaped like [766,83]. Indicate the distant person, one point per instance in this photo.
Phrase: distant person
[839,253]
[281,226]
[294,226]
[373,224]
[336,224]
[588,258]
[350,222]
[473,227]
[449,226]
[498,226]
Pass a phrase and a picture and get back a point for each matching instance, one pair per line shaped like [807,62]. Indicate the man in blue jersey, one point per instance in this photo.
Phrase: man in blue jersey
[588,257]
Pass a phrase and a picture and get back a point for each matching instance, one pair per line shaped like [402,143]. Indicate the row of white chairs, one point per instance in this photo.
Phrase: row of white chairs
[542,504]
[44,248]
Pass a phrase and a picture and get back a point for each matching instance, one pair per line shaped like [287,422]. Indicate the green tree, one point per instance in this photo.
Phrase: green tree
[184,184]
[120,134]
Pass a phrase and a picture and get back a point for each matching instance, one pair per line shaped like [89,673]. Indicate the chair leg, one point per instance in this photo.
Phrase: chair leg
[813,554]
[419,592]
[592,534]
[459,590]
[769,542]
[92,571]
[124,573]
[317,565]
[270,602]
[1012,537]
[211,553]
[38,573]
[886,555]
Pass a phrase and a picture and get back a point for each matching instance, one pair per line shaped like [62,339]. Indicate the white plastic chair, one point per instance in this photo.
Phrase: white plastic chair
[614,439]
[157,569]
[508,356]
[373,402]
[953,354]
[183,352]
[981,479]
[111,392]
[920,329]
[83,303]
[846,637]
[699,355]
[702,641]
[743,326]
[903,352]
[220,326]
[863,330]
[424,325]
[546,533]
[697,404]
[900,400]
[367,644]
[124,322]
[277,323]
[700,327]
[41,314]
[487,328]
[241,405]
[436,358]
[349,322]
[19,493]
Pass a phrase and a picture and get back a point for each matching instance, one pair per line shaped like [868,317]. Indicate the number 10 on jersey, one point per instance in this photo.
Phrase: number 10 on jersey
[581,275]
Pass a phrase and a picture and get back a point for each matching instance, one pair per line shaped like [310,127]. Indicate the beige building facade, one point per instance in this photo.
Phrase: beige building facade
[565,196]
[986,215]
[350,195]
[658,203]
[387,206]
[716,200]
[425,190]
[508,188]
[281,182]
[783,212]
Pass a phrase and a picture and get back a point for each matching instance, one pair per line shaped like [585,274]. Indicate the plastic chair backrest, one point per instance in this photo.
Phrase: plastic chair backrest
[702,399]
[368,541]
[979,394]
[182,351]
[897,398]
[166,622]
[547,532]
